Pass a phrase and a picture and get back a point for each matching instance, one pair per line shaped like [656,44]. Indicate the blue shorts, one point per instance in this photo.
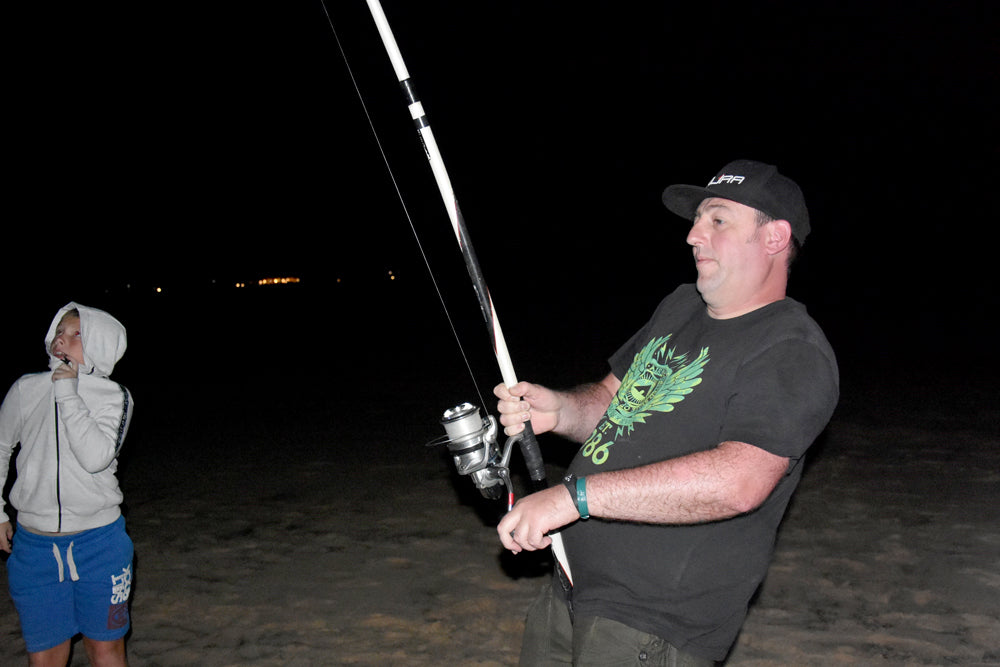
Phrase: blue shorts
[71,584]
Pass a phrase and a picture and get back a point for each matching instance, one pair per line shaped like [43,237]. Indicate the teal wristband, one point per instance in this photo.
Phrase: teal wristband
[581,498]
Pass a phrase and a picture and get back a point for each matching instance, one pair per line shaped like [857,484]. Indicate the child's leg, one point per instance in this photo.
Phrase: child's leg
[57,656]
[105,654]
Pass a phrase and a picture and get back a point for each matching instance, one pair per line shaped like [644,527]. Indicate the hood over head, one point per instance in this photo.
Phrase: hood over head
[103,337]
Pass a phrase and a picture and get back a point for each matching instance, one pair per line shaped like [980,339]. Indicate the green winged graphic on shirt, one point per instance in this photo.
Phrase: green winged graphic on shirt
[658,379]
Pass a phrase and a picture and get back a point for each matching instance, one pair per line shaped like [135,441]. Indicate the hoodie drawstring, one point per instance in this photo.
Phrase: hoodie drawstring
[73,575]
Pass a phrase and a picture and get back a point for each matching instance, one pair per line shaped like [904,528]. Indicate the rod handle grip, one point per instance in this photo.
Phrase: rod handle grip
[533,456]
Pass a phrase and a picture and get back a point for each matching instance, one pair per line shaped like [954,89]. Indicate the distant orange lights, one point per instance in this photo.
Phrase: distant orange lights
[289,280]
[277,281]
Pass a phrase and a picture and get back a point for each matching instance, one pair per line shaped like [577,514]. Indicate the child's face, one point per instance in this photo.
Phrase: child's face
[67,341]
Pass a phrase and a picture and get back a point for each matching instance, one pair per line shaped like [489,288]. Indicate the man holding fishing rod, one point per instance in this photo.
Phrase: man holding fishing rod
[691,446]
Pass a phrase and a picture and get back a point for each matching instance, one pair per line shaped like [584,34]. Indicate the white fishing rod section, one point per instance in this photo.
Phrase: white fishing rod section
[447,193]
[529,445]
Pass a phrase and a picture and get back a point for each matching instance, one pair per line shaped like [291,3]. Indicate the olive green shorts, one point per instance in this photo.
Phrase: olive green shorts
[552,637]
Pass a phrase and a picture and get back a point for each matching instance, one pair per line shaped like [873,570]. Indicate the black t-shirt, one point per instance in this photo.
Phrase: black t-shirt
[689,382]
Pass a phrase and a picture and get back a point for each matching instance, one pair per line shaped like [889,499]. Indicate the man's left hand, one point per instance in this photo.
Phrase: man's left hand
[527,525]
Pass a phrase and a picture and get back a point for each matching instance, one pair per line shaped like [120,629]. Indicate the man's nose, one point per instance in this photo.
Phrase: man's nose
[696,236]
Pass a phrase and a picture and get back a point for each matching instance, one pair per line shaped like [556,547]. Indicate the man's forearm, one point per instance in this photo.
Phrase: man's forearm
[583,407]
[731,479]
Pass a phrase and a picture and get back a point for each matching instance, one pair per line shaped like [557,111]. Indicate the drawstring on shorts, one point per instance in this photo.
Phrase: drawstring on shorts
[69,561]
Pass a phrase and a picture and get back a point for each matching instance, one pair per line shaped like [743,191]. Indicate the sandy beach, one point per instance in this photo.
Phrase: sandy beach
[286,522]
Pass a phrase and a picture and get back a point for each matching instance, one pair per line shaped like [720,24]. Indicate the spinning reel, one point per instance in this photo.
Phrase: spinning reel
[472,443]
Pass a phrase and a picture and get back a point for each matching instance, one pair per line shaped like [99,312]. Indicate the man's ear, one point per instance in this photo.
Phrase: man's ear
[779,236]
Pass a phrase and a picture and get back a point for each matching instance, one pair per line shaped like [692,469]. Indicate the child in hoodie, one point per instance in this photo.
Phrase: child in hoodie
[70,570]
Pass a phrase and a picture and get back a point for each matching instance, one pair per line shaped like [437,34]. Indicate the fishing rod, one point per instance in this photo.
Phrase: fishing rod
[470,439]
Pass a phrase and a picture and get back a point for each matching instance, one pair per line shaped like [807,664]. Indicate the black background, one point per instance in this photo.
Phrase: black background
[190,146]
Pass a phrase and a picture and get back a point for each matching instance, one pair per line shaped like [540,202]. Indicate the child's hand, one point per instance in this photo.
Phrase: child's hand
[6,533]
[67,370]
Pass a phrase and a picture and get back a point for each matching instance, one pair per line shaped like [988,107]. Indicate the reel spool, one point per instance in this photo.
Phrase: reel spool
[472,443]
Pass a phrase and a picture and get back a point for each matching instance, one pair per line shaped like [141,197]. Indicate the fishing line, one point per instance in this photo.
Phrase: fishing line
[399,195]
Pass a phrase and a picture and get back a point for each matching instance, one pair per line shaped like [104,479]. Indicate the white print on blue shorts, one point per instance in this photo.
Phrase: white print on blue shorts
[121,588]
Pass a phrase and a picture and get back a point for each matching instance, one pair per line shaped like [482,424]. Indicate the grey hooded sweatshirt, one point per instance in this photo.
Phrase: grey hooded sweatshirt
[70,432]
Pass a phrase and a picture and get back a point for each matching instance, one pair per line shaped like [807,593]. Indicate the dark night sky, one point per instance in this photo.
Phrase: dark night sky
[178,143]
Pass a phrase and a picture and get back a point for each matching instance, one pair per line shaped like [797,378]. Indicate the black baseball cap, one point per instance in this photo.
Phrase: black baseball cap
[753,184]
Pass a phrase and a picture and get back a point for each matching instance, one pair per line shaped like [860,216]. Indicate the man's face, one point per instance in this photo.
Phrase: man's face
[67,341]
[728,253]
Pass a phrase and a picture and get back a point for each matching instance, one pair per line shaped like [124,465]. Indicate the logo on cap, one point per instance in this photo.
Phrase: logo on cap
[726,178]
